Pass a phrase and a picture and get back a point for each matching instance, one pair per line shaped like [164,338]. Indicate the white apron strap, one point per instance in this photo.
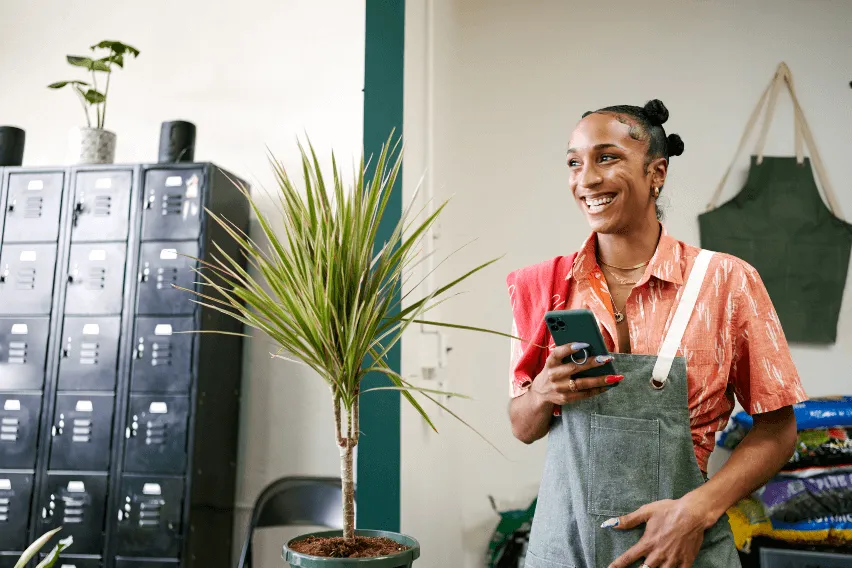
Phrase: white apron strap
[681,318]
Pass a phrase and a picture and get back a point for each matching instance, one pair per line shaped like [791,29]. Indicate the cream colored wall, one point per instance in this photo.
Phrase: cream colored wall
[250,74]
[510,81]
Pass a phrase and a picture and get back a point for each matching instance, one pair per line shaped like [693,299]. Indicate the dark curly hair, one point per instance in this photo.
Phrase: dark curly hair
[646,124]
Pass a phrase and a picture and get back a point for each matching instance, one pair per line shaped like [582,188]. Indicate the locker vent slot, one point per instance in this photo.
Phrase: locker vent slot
[172,204]
[82,431]
[166,276]
[5,502]
[9,429]
[88,353]
[161,353]
[155,433]
[25,279]
[34,207]
[96,279]
[103,205]
[17,353]
[149,512]
[75,510]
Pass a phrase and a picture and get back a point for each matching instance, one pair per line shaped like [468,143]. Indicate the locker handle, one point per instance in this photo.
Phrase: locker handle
[10,208]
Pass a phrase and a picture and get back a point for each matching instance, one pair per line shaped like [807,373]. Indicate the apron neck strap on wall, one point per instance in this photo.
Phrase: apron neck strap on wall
[681,318]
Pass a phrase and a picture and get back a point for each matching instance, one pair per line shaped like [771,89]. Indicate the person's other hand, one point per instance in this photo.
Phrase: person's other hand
[674,532]
[555,382]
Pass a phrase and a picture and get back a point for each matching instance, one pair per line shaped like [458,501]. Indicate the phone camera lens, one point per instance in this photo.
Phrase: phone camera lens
[550,320]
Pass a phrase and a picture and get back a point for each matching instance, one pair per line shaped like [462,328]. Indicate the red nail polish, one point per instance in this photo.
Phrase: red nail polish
[610,379]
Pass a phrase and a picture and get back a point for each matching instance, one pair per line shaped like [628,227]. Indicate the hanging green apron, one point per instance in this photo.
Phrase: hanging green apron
[779,224]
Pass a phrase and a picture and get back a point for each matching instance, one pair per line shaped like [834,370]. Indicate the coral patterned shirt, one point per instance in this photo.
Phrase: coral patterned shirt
[733,345]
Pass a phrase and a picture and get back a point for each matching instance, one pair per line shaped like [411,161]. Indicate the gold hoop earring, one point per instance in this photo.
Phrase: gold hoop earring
[656,192]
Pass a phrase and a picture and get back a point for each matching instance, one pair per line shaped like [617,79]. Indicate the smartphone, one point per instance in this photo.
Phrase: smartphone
[579,326]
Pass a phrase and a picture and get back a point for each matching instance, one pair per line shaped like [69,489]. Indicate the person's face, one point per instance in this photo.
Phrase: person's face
[609,178]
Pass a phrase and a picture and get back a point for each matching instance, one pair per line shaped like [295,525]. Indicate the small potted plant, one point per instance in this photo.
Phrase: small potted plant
[93,144]
[328,299]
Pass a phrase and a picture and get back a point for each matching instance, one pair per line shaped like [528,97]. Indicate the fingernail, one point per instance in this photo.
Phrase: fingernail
[603,358]
[612,379]
[578,346]
[610,523]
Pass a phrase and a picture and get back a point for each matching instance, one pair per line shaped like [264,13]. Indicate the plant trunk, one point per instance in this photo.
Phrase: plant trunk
[347,442]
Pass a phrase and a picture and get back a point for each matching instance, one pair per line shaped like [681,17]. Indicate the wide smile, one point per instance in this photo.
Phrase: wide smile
[599,203]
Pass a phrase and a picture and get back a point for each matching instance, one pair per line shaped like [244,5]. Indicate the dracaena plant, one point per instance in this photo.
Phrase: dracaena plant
[90,94]
[50,558]
[324,293]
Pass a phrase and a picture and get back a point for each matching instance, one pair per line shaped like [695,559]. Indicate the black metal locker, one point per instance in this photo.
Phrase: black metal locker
[26,278]
[101,205]
[162,355]
[172,206]
[23,353]
[162,264]
[33,203]
[89,353]
[77,502]
[15,495]
[95,278]
[81,433]
[9,559]
[148,521]
[19,417]
[156,434]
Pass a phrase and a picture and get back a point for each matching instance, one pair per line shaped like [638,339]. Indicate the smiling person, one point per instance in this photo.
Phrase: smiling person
[625,479]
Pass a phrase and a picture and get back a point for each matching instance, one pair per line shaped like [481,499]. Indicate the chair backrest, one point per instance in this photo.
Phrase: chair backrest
[309,501]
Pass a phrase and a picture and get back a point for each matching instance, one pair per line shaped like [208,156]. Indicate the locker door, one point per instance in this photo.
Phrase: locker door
[101,206]
[33,203]
[148,522]
[156,434]
[81,432]
[172,205]
[19,417]
[89,356]
[95,279]
[162,264]
[23,353]
[15,493]
[26,279]
[162,356]
[77,503]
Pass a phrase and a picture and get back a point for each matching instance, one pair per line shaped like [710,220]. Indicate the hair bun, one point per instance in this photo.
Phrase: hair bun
[674,145]
[656,112]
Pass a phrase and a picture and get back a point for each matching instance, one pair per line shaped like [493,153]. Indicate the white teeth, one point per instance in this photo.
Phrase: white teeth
[598,202]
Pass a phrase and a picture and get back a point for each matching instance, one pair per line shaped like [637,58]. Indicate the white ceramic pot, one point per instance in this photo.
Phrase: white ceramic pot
[91,146]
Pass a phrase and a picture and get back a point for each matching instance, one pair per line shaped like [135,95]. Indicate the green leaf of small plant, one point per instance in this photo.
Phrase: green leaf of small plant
[53,555]
[87,63]
[94,97]
[116,47]
[60,84]
[33,548]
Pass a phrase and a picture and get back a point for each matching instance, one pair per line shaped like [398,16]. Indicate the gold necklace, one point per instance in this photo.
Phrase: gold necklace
[621,280]
[625,269]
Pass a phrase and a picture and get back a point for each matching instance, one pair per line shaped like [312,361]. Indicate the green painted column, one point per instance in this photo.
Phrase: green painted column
[378,467]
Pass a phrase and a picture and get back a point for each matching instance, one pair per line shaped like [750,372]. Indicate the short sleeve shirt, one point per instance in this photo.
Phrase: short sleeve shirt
[734,345]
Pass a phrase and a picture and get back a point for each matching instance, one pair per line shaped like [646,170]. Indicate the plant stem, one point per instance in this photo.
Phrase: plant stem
[347,444]
[97,106]
[106,92]
[85,109]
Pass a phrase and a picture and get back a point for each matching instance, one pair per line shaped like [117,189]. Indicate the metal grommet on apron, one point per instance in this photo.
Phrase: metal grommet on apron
[779,224]
[613,453]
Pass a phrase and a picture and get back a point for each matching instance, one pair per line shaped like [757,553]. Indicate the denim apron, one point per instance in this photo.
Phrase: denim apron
[610,454]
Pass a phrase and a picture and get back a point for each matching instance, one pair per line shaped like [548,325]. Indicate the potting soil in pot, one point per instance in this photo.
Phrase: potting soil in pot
[337,547]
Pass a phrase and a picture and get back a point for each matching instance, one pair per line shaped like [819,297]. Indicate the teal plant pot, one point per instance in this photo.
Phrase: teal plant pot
[404,559]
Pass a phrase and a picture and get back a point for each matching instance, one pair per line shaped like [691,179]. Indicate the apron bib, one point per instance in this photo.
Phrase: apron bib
[611,454]
[779,224]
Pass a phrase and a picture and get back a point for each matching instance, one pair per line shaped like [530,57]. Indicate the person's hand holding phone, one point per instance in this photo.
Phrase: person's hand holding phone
[556,383]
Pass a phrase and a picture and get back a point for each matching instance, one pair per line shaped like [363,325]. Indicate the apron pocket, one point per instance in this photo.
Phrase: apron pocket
[624,464]
[533,561]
